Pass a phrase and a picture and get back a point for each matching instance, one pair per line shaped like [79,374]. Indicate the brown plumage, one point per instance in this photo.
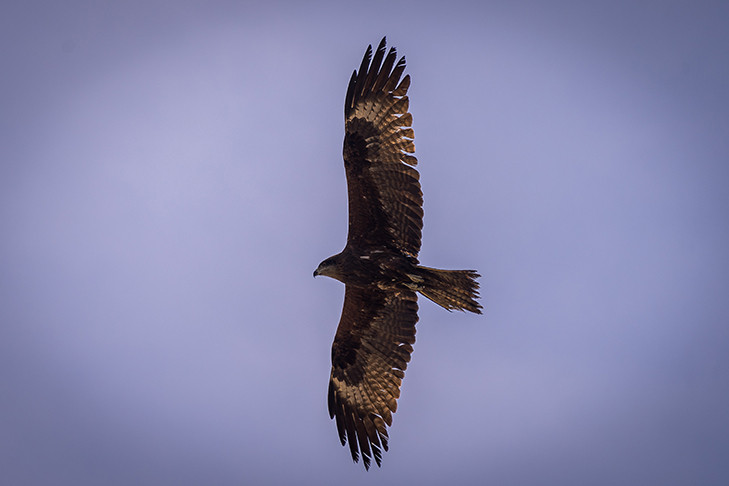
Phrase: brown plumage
[379,265]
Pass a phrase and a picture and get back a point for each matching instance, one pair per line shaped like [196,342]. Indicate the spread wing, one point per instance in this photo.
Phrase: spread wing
[370,353]
[385,200]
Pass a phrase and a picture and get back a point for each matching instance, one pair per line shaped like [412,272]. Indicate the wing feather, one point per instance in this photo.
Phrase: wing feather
[395,76]
[374,66]
[385,198]
[363,72]
[385,70]
[370,353]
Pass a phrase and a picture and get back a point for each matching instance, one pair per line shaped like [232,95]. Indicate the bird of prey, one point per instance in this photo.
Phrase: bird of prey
[379,264]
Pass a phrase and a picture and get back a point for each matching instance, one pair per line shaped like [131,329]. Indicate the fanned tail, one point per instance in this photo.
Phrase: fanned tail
[451,289]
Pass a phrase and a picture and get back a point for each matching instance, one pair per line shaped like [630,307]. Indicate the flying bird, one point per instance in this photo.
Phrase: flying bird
[379,264]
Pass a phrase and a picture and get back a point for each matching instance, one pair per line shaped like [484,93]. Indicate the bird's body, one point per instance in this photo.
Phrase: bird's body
[379,264]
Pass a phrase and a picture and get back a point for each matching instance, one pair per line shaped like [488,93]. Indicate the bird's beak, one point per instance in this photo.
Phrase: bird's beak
[316,272]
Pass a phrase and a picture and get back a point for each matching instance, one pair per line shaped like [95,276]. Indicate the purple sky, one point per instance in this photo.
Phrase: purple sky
[171,174]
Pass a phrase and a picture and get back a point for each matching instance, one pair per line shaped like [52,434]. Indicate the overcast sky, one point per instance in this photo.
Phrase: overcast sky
[171,175]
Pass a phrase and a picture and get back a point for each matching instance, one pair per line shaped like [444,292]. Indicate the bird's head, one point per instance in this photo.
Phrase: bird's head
[329,267]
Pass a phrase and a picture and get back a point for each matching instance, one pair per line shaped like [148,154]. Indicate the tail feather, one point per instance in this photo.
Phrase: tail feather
[451,289]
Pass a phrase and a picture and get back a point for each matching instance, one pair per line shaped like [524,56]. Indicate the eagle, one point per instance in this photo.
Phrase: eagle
[379,264]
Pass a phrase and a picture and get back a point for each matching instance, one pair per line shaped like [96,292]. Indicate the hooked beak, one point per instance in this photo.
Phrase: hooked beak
[316,272]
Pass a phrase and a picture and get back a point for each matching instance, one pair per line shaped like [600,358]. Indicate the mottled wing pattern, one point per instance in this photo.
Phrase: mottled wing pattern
[385,200]
[371,350]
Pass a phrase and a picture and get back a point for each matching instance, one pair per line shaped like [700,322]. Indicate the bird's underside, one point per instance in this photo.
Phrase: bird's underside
[379,265]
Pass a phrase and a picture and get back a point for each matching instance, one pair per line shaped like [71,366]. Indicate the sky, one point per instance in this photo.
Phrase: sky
[171,175]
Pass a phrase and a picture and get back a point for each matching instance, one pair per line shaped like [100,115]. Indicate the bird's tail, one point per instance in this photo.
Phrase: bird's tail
[451,289]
